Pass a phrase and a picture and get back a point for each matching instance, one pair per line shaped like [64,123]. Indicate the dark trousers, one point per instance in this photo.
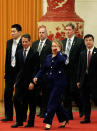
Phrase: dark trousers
[28,100]
[8,99]
[72,93]
[86,95]
[31,101]
[54,106]
[8,94]
[19,109]
[70,96]
[43,95]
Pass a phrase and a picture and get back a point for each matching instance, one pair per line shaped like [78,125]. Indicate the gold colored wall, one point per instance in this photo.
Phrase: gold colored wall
[24,12]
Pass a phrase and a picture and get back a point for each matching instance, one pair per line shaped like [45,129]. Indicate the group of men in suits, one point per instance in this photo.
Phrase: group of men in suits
[23,62]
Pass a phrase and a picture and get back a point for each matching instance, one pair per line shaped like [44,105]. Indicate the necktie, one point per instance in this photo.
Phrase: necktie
[88,60]
[24,55]
[13,59]
[40,47]
[68,50]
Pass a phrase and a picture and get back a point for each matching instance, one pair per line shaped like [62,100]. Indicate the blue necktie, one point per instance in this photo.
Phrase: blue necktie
[25,55]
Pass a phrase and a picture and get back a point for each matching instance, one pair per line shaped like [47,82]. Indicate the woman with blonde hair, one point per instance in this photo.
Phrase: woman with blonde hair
[53,68]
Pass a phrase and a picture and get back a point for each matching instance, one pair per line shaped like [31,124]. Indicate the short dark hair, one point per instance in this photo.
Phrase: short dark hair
[71,25]
[17,26]
[89,35]
[26,36]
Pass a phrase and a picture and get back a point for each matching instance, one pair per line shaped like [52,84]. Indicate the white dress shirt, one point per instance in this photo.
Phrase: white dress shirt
[14,47]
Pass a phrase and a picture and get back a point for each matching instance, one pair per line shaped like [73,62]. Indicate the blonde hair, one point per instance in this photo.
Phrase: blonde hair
[42,26]
[59,43]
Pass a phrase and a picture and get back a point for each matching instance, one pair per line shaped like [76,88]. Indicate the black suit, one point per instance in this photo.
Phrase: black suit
[88,82]
[46,50]
[10,74]
[72,92]
[26,71]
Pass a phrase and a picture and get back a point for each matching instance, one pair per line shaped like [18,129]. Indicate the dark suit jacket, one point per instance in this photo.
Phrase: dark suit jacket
[46,50]
[54,70]
[8,58]
[25,71]
[92,71]
[77,46]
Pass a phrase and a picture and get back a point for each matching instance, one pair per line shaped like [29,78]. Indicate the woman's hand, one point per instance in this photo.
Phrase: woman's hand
[55,50]
[58,49]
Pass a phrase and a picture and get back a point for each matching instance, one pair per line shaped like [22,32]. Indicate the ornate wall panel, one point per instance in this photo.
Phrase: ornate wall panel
[59,13]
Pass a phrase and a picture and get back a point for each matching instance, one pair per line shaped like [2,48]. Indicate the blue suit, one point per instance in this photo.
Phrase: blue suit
[53,68]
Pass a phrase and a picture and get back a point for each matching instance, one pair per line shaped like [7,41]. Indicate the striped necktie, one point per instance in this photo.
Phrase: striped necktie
[40,47]
[68,50]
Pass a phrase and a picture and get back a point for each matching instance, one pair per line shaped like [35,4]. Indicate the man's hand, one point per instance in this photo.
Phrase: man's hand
[14,86]
[78,84]
[31,86]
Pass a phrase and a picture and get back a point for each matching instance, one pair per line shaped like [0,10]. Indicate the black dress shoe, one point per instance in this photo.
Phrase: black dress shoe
[85,121]
[6,119]
[17,125]
[29,125]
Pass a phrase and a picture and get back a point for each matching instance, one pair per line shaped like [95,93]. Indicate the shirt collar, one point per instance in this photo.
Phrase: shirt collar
[72,38]
[90,49]
[27,49]
[43,40]
[17,40]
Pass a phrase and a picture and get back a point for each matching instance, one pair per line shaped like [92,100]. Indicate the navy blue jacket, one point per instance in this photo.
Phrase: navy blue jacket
[54,70]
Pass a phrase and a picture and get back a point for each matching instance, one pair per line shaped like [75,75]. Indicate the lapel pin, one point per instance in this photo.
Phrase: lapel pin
[73,43]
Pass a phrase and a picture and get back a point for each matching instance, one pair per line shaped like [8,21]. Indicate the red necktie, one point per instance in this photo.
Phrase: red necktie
[88,62]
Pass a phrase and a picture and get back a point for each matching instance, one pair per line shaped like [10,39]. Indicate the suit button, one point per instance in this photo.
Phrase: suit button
[59,72]
[50,73]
